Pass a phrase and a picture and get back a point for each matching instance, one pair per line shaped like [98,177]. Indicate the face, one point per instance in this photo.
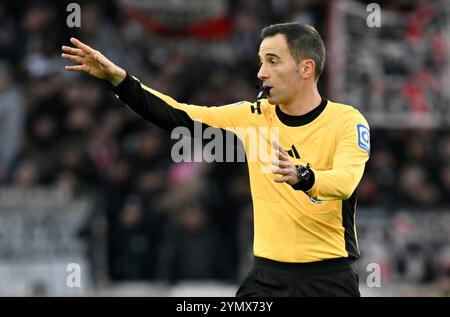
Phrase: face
[280,71]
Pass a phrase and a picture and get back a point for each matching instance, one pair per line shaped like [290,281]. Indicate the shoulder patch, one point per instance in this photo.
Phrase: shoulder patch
[364,137]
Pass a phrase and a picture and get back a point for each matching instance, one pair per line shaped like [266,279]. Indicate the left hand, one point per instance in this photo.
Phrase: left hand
[284,166]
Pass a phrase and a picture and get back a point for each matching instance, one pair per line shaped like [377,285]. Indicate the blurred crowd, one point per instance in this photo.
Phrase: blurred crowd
[166,221]
[408,168]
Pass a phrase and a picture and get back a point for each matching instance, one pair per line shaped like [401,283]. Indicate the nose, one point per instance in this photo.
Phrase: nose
[263,73]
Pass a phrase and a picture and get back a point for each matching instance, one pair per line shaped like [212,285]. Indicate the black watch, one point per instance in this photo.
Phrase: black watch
[306,178]
[303,173]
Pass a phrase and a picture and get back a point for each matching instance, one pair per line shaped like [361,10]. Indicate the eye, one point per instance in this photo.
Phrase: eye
[273,61]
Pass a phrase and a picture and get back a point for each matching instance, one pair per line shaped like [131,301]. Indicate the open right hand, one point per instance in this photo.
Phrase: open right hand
[92,62]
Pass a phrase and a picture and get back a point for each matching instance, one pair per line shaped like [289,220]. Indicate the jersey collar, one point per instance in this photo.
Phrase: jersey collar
[295,121]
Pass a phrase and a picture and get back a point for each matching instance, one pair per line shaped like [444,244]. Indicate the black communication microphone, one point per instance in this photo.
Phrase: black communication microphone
[263,92]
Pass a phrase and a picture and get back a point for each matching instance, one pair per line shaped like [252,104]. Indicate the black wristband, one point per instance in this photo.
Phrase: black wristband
[123,86]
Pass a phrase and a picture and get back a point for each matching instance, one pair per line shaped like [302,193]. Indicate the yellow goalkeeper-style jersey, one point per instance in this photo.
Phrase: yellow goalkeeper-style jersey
[289,225]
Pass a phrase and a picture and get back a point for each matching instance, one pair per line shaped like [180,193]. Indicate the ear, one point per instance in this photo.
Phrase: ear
[307,68]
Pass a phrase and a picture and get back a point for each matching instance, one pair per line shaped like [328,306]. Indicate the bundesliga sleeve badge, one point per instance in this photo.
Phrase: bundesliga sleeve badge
[363,137]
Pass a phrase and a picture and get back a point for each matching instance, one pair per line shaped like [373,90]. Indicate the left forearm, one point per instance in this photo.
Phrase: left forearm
[336,184]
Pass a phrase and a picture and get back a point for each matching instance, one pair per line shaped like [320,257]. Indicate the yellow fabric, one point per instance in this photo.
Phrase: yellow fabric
[289,226]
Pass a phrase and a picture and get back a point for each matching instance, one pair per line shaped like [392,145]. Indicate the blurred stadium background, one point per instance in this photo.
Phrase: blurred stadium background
[84,180]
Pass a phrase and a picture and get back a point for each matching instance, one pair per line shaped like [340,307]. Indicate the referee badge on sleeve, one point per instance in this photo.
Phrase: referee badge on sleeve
[363,137]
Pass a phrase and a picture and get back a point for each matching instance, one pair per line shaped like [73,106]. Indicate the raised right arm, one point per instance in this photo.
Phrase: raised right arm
[152,105]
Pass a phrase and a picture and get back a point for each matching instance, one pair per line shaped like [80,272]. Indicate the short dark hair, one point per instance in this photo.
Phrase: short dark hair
[303,42]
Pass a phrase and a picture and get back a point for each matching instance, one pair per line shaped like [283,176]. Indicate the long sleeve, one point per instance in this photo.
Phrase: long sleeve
[352,152]
[167,113]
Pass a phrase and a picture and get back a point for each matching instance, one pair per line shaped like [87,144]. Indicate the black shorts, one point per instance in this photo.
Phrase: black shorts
[335,277]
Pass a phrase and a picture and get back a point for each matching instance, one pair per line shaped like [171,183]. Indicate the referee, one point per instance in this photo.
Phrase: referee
[305,240]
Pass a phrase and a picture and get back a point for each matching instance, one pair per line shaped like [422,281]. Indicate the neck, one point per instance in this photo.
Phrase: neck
[305,100]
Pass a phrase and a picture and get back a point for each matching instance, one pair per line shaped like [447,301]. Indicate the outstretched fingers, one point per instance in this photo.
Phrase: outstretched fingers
[76,68]
[280,163]
[73,58]
[85,48]
[73,51]
[282,179]
[281,171]
[280,154]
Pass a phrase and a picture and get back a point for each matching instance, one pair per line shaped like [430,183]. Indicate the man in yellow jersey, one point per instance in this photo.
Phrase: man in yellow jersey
[305,240]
